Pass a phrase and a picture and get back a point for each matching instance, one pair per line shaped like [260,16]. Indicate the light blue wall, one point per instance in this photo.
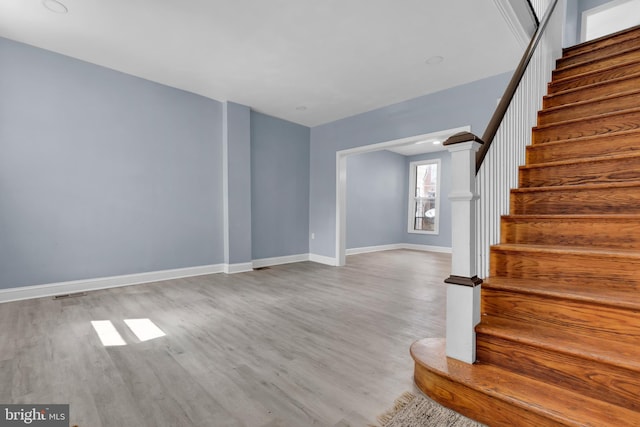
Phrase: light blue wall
[470,104]
[443,238]
[376,199]
[572,24]
[581,6]
[590,4]
[279,187]
[102,173]
[236,140]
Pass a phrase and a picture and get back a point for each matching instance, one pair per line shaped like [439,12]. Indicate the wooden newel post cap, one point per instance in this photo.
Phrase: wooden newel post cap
[462,137]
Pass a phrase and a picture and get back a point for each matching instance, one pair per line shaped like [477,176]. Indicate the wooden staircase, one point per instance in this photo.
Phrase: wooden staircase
[559,339]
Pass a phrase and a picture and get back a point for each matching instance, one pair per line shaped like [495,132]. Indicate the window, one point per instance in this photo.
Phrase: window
[424,196]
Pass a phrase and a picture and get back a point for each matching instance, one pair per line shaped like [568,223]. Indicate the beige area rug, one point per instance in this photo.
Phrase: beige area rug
[410,410]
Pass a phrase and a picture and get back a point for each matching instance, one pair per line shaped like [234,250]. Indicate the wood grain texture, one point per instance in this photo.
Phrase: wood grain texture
[561,308]
[503,398]
[626,41]
[602,83]
[604,125]
[613,60]
[573,315]
[585,147]
[619,198]
[618,354]
[624,167]
[602,231]
[566,264]
[293,345]
[563,368]
[591,106]
[601,42]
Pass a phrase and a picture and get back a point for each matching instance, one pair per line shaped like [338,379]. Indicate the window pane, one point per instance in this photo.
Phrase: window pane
[425,195]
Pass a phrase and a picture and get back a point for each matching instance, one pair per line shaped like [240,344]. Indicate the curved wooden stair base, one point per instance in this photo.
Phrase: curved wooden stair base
[558,343]
[501,398]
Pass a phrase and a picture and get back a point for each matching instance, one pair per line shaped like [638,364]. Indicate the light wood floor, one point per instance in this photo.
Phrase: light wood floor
[294,345]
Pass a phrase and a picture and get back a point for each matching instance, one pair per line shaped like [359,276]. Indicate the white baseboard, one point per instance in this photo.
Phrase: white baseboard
[426,248]
[63,288]
[242,267]
[266,262]
[394,246]
[321,259]
[367,249]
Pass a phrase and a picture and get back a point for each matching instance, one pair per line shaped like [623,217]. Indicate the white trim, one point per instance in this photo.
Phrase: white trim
[412,198]
[368,249]
[62,288]
[595,10]
[426,248]
[242,267]
[520,21]
[341,182]
[396,246]
[266,262]
[321,259]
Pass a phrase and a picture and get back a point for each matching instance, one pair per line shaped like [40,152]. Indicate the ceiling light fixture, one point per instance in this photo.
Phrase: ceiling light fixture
[301,108]
[437,142]
[434,60]
[55,6]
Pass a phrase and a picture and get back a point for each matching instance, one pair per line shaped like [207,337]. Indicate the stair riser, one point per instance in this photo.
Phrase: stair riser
[576,201]
[611,61]
[603,171]
[613,39]
[592,92]
[601,232]
[593,54]
[598,380]
[604,125]
[570,112]
[602,77]
[581,149]
[475,404]
[593,319]
[569,268]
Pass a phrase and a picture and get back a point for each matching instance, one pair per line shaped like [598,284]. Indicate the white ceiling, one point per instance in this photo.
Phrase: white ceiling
[335,58]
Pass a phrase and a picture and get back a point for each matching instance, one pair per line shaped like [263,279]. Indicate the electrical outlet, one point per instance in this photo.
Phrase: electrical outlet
[313,236]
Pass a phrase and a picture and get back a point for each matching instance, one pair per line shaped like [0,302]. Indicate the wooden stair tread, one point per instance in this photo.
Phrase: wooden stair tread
[598,59]
[576,187]
[592,77]
[561,406]
[594,43]
[608,97]
[594,159]
[591,86]
[584,146]
[616,59]
[610,296]
[598,349]
[574,250]
[573,216]
[587,138]
[599,51]
[587,119]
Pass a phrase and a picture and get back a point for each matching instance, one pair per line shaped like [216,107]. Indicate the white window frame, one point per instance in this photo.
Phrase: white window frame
[413,166]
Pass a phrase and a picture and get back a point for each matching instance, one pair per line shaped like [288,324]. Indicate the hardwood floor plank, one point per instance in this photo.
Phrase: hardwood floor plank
[291,345]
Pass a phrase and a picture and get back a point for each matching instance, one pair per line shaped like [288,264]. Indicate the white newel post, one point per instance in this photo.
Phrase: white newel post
[463,289]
